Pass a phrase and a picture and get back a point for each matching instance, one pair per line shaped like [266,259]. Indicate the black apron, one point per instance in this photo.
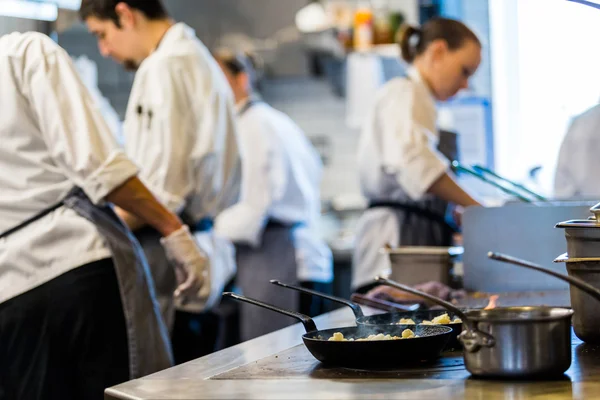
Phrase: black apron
[275,258]
[149,349]
[424,222]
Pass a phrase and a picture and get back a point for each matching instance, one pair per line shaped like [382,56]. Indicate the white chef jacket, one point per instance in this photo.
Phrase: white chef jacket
[579,159]
[398,161]
[281,181]
[180,127]
[52,138]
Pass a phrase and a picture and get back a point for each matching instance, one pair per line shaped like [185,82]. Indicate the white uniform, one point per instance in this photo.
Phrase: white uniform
[281,181]
[49,144]
[398,162]
[579,159]
[180,129]
[273,224]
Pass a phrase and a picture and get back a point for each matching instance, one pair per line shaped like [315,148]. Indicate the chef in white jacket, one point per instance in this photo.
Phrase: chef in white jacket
[179,128]
[402,172]
[579,159]
[273,225]
[77,308]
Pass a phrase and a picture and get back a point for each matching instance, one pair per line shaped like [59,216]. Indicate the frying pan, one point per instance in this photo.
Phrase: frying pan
[367,354]
[387,319]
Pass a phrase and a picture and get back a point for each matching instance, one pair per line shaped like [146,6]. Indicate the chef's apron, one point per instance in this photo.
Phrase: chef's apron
[423,222]
[147,337]
[275,258]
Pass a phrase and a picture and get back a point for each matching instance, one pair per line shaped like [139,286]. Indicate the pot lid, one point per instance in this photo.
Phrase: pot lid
[591,222]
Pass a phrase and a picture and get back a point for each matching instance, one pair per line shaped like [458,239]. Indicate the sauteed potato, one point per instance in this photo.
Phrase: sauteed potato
[406,334]
[443,319]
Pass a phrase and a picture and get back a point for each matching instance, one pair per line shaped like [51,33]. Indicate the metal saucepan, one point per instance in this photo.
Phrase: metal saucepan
[388,319]
[511,342]
[583,236]
[585,298]
[366,354]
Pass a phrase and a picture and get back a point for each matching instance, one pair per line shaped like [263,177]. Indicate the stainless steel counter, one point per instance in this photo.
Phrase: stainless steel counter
[277,366]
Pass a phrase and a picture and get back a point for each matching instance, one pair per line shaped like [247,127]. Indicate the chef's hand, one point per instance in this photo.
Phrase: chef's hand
[190,262]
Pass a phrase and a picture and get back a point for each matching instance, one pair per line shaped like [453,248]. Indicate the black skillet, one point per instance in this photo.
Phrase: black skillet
[367,354]
[387,319]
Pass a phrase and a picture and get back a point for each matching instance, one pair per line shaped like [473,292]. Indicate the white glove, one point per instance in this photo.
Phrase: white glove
[191,264]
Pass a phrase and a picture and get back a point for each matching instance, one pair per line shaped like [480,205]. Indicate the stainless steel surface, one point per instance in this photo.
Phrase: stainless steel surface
[200,379]
[522,230]
[413,265]
[530,342]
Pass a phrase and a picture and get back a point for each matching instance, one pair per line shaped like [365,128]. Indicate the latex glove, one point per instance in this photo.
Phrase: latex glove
[191,264]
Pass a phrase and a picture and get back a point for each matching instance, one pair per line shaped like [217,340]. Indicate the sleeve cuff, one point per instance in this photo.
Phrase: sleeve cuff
[417,176]
[241,224]
[113,172]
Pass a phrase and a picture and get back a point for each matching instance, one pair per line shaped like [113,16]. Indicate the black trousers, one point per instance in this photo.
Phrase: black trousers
[65,339]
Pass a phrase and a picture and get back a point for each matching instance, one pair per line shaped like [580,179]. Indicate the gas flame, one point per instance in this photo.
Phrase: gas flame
[492,304]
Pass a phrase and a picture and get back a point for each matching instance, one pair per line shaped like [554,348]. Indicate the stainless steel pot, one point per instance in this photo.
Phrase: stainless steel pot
[511,342]
[586,321]
[583,236]
[584,278]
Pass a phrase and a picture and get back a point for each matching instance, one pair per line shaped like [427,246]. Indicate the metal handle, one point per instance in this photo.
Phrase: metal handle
[355,307]
[481,169]
[308,323]
[456,165]
[596,211]
[472,339]
[578,283]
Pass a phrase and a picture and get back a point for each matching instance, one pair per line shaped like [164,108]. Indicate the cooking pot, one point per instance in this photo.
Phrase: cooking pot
[511,342]
[583,235]
[585,296]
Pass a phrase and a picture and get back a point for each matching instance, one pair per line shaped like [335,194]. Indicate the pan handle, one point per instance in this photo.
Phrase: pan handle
[355,307]
[308,323]
[578,283]
[472,339]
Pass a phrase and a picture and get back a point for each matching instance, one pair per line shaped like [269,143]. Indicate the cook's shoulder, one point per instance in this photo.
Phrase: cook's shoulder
[396,88]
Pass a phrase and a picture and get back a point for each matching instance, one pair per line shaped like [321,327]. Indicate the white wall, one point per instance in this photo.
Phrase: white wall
[546,69]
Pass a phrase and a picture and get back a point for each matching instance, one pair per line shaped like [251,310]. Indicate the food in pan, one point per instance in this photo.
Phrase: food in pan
[406,334]
[443,319]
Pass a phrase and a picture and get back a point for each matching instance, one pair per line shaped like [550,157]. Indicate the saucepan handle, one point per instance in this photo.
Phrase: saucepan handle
[355,307]
[578,283]
[472,339]
[308,323]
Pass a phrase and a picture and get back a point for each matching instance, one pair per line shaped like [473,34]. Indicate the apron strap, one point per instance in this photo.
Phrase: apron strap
[37,216]
[416,210]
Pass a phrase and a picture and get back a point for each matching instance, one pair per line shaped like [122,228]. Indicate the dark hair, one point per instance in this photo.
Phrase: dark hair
[453,32]
[105,9]
[236,63]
